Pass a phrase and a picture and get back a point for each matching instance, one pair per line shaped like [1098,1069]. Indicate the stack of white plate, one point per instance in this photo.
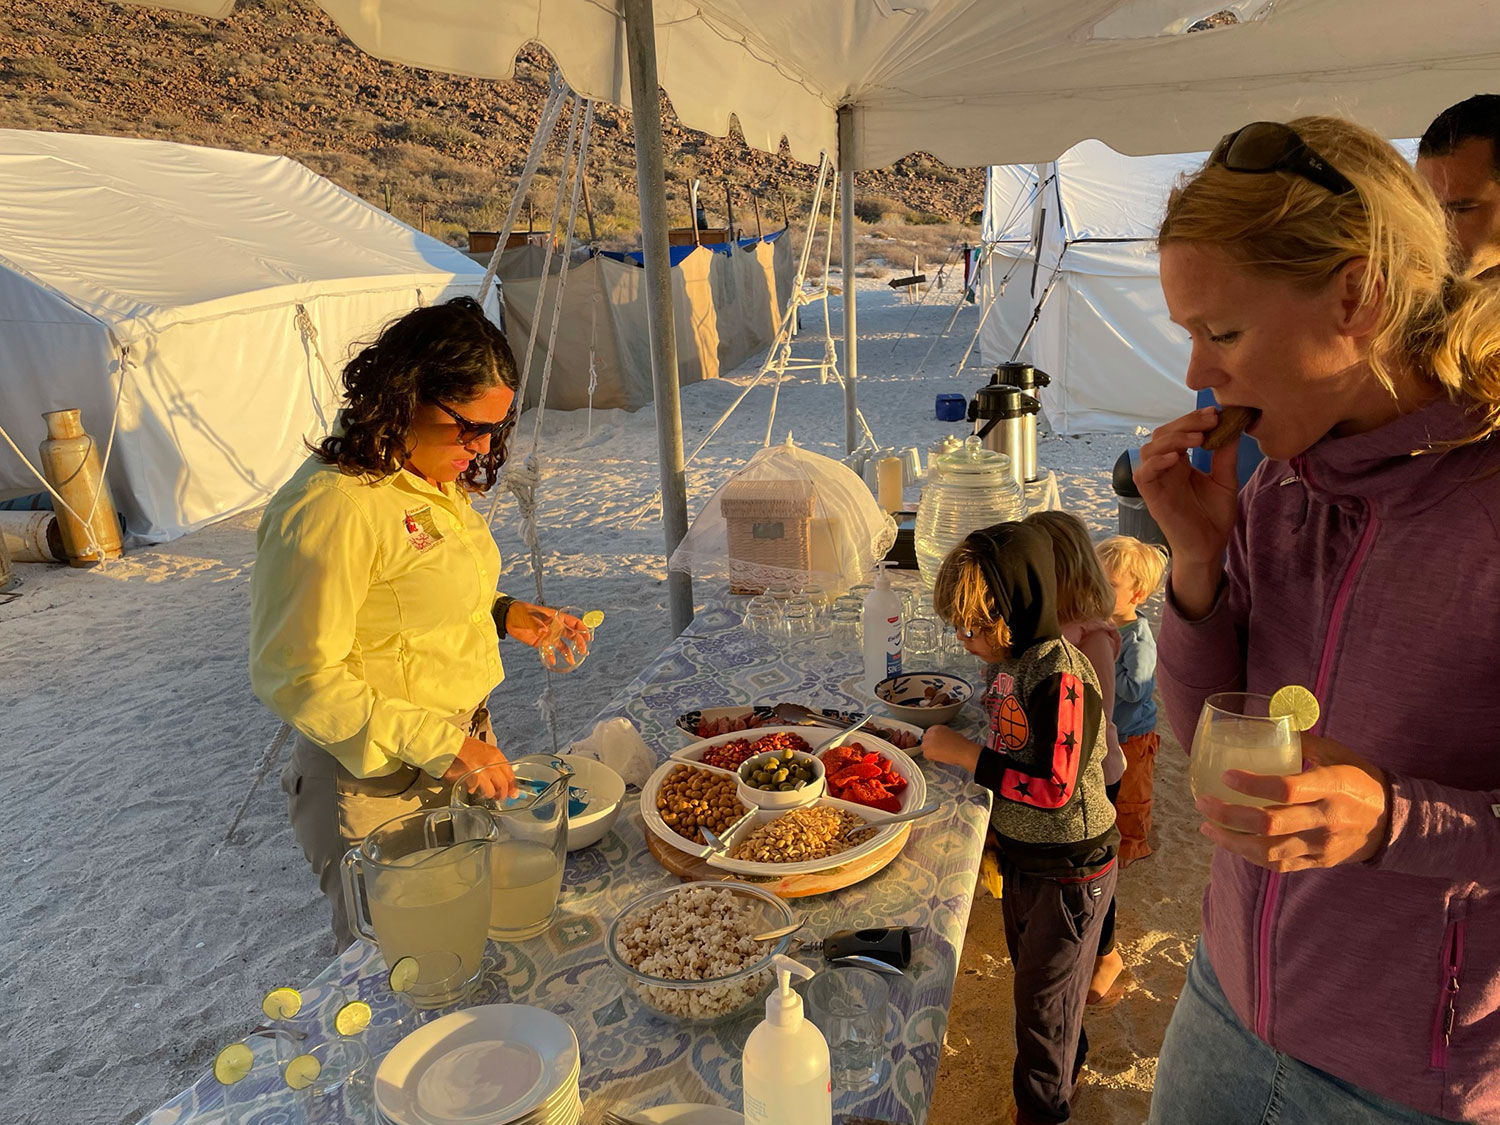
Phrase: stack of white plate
[501,1064]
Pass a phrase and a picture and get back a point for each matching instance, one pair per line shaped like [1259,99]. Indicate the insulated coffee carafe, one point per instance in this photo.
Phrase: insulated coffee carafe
[1003,420]
[1029,381]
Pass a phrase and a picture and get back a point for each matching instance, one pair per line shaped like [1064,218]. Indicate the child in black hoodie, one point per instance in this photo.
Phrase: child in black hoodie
[1042,759]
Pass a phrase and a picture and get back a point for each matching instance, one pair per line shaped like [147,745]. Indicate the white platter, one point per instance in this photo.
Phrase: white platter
[913,796]
[709,714]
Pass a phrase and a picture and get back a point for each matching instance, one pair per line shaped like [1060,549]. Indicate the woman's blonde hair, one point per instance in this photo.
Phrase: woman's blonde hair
[961,596]
[1444,326]
[1142,564]
[1083,590]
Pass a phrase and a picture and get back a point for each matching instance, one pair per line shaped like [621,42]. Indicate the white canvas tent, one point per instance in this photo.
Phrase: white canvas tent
[1075,239]
[170,278]
[727,308]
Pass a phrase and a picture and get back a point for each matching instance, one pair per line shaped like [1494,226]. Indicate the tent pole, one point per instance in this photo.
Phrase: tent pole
[650,168]
[846,217]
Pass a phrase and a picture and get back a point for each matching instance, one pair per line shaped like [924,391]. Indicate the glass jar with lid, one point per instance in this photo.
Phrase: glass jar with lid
[970,488]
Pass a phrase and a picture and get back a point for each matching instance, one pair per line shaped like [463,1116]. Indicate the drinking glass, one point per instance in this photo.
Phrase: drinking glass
[1236,731]
[850,1007]
[563,647]
[909,601]
[763,616]
[921,647]
[343,1091]
[845,631]
[849,601]
[799,623]
[860,592]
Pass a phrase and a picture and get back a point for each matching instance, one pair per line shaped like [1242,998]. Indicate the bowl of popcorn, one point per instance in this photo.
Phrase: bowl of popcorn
[686,953]
[924,699]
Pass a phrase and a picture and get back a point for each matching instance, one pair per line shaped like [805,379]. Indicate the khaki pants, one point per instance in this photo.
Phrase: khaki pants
[332,810]
[1133,804]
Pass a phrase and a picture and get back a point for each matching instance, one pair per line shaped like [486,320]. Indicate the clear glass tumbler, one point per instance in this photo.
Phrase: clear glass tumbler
[920,651]
[763,616]
[851,1008]
[1236,731]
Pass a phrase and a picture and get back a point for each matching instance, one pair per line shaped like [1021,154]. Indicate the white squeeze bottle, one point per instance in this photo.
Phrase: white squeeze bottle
[785,1065]
[883,632]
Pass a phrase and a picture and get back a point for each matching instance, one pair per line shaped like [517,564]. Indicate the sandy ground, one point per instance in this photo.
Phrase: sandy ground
[137,933]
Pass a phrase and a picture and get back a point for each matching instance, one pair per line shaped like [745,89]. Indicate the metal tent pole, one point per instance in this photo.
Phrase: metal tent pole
[645,105]
[851,344]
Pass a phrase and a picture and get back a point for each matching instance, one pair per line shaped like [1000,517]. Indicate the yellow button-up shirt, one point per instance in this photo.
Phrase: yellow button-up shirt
[370,625]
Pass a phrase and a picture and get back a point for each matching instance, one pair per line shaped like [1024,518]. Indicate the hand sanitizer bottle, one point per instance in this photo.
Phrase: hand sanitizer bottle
[883,630]
[785,1064]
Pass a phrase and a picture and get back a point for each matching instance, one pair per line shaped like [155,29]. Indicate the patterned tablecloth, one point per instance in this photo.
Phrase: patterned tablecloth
[631,1058]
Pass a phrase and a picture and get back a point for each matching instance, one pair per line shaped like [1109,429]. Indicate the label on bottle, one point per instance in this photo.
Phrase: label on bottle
[756,1110]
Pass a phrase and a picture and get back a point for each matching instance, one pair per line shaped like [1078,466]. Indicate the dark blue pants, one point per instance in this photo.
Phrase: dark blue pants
[1052,931]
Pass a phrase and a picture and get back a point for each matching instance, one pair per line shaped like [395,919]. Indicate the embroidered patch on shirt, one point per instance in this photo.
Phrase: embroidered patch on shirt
[421,528]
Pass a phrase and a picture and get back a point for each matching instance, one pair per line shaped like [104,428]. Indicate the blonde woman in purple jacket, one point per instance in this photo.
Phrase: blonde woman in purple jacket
[1349,968]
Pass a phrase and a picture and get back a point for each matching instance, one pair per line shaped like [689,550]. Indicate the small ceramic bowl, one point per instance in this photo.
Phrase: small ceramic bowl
[905,696]
[606,791]
[749,794]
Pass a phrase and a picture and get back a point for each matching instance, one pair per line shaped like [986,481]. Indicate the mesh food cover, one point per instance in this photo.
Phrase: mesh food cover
[789,518]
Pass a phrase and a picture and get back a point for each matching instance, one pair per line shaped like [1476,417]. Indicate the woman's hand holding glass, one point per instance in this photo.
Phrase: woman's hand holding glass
[559,633]
[1335,811]
[1196,511]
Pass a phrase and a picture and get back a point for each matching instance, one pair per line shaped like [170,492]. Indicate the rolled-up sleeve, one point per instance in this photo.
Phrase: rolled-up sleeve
[316,557]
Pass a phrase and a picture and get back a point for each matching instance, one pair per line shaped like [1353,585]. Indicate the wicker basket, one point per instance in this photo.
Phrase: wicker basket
[766,522]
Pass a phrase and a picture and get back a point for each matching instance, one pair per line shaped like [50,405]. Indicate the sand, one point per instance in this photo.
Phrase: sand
[136,939]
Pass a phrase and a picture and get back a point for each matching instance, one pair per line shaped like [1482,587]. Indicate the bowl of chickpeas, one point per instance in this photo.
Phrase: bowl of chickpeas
[684,798]
[781,779]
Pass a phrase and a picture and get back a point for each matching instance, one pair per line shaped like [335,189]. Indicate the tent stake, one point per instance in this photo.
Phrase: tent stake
[650,165]
[846,219]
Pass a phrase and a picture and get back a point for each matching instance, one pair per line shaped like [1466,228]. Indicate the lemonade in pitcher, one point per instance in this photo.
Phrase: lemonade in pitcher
[442,907]
[526,877]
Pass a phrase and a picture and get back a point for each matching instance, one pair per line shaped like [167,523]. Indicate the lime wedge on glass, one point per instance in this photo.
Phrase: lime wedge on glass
[233,1063]
[352,1018]
[302,1071]
[404,973]
[1296,703]
[281,1003]
[593,619]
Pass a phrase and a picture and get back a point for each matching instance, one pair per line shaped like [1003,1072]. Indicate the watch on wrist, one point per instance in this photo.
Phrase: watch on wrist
[501,608]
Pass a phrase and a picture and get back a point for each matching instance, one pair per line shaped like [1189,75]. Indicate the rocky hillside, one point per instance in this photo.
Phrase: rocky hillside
[278,76]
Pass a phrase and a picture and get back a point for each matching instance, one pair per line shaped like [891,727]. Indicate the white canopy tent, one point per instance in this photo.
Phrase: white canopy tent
[210,296]
[1073,249]
[971,81]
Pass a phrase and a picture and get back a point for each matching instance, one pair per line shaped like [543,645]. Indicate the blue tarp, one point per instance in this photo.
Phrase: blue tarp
[680,252]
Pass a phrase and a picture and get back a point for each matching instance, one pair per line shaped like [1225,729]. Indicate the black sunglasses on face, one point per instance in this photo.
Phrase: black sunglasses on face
[1270,146]
[470,431]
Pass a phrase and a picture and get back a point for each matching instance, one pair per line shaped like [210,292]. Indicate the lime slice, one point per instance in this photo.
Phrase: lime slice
[1295,702]
[593,619]
[281,1003]
[302,1071]
[352,1018]
[233,1063]
[404,973]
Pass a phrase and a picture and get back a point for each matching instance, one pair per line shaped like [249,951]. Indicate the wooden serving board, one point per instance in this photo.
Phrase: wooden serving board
[688,867]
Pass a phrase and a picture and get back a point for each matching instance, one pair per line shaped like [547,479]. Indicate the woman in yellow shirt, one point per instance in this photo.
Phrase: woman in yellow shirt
[374,614]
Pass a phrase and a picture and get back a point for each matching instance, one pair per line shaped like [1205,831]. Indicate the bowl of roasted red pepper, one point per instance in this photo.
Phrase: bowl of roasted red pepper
[862,777]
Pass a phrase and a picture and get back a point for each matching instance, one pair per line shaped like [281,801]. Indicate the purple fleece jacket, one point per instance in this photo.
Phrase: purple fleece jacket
[1372,576]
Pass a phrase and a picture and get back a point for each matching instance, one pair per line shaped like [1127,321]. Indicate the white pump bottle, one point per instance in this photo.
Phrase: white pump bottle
[883,630]
[785,1064]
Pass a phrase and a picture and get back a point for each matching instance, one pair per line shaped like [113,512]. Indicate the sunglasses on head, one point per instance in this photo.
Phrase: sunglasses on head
[470,431]
[1270,146]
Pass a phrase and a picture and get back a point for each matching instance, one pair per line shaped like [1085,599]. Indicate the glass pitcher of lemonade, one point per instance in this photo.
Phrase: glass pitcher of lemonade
[420,884]
[1236,731]
[530,844]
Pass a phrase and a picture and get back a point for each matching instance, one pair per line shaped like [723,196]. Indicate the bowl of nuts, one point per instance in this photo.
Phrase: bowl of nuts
[924,698]
[781,779]
[686,952]
[681,799]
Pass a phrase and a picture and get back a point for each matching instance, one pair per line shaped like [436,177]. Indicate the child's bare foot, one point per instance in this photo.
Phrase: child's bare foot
[1106,970]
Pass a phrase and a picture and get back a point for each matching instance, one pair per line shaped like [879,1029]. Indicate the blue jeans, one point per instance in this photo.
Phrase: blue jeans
[1214,1069]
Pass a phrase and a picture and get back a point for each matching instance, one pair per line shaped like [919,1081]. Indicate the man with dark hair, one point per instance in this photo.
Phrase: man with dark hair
[1460,157]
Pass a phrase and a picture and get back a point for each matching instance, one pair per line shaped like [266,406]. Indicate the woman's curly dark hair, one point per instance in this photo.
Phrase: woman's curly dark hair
[451,353]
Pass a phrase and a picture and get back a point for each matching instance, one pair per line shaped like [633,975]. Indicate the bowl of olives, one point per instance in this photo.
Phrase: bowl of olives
[781,779]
